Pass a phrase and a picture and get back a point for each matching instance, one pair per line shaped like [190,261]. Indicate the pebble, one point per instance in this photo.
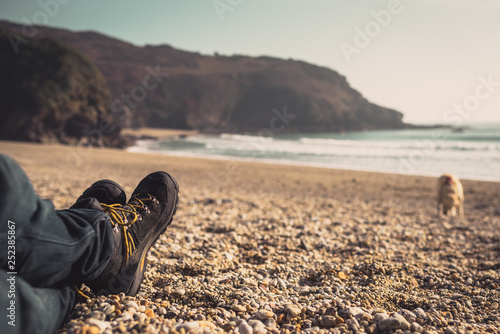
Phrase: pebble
[229,326]
[108,309]
[188,327]
[408,315]
[271,323]
[292,310]
[327,321]
[380,316]
[389,324]
[245,328]
[404,324]
[90,330]
[180,292]
[257,326]
[239,308]
[450,330]
[415,327]
[102,325]
[354,311]
[264,314]
[342,275]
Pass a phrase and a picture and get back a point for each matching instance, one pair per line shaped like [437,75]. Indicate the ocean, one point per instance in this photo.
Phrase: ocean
[473,153]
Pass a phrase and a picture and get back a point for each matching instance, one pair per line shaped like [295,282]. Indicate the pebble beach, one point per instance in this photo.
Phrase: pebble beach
[262,248]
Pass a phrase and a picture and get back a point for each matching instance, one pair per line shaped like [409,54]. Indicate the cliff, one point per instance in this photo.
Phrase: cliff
[160,86]
[53,93]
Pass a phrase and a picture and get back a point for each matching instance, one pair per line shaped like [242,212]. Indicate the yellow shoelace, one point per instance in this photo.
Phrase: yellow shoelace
[80,292]
[118,214]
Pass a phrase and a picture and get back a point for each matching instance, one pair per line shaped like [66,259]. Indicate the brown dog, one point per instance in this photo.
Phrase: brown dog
[450,195]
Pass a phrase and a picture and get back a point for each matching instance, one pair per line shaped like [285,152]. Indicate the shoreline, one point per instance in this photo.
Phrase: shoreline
[140,150]
[137,148]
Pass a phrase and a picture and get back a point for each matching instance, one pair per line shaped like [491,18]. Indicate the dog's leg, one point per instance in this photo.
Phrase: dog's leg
[446,210]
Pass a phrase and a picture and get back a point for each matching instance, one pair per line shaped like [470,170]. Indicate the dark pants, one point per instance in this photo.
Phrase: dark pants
[44,252]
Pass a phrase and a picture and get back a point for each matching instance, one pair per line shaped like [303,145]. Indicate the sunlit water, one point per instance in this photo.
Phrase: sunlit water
[473,153]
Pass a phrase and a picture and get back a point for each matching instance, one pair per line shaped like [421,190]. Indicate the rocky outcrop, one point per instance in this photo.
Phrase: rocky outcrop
[160,86]
[52,93]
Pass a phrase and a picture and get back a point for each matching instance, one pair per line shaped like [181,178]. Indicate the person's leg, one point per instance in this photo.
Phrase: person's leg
[49,246]
[26,309]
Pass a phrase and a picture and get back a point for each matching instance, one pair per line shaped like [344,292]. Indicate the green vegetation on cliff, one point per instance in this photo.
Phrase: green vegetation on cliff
[53,93]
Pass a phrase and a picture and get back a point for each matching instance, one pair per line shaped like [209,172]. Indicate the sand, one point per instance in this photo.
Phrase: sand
[272,248]
[157,133]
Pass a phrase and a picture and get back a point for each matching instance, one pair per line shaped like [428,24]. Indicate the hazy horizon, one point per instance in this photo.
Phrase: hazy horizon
[434,61]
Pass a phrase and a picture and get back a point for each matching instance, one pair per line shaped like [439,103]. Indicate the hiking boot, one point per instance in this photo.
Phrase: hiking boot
[104,191]
[137,226]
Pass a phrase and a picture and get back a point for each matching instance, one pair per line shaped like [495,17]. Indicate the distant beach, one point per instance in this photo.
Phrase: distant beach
[157,133]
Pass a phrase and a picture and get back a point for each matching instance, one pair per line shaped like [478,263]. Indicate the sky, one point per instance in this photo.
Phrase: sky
[436,61]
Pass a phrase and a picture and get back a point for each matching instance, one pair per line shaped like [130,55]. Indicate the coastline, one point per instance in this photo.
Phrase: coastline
[279,247]
[142,150]
[403,166]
